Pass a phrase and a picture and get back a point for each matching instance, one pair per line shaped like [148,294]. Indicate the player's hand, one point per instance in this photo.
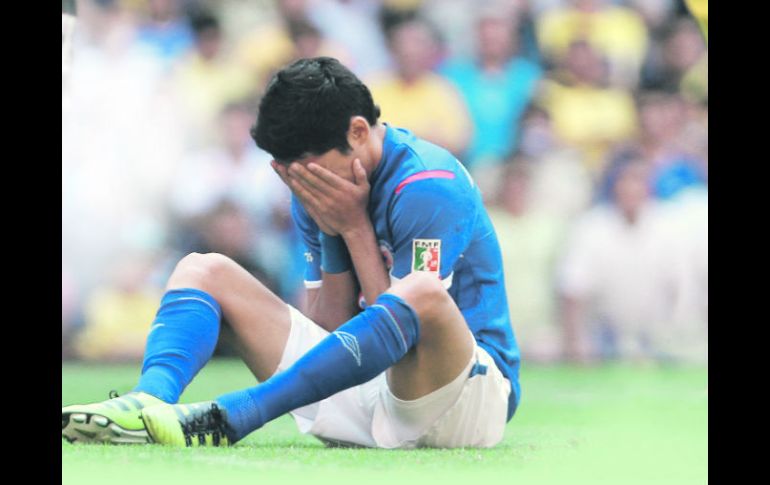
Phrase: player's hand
[339,204]
[283,172]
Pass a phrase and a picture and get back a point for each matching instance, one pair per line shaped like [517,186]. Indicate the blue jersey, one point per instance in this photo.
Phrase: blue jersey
[428,215]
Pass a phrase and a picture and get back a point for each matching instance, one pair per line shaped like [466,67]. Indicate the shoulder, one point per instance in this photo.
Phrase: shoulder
[425,170]
[432,194]
[418,154]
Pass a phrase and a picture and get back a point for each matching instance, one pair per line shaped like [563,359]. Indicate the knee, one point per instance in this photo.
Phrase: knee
[200,271]
[424,292]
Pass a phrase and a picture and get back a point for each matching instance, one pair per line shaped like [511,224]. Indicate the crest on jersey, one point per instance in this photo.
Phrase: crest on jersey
[426,255]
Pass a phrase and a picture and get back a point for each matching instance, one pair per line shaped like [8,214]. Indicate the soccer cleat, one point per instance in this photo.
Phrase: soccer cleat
[117,420]
[199,424]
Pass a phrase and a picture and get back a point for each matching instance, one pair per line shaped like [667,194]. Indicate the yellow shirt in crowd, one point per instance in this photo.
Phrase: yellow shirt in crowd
[530,245]
[589,118]
[206,87]
[114,316]
[619,33]
[270,48]
[430,107]
[700,10]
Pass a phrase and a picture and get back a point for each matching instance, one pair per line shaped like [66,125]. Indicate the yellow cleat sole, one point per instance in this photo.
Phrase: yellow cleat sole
[95,428]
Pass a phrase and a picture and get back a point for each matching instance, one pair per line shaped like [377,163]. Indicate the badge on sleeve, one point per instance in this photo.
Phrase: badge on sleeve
[426,255]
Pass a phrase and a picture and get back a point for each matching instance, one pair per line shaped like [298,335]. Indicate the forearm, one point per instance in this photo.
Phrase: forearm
[335,302]
[367,260]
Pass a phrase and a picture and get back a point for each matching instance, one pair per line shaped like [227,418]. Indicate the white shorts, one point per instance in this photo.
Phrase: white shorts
[470,411]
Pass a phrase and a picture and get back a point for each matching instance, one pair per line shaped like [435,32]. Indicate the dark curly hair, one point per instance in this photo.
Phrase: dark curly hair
[307,107]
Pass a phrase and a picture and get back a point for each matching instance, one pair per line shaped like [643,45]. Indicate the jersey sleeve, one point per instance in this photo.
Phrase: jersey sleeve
[431,222]
[309,233]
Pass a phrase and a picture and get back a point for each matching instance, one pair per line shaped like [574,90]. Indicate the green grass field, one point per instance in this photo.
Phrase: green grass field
[610,425]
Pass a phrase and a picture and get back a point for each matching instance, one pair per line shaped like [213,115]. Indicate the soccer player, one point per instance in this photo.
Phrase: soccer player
[406,340]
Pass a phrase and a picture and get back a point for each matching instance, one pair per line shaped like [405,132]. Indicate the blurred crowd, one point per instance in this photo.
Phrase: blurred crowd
[584,122]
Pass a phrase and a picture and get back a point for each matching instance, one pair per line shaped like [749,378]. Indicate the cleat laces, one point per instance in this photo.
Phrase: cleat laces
[202,422]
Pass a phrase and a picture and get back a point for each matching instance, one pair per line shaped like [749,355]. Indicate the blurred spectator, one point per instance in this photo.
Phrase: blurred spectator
[497,85]
[229,181]
[121,139]
[695,82]
[654,12]
[622,275]
[120,310]
[232,168]
[205,81]
[414,97]
[165,30]
[618,33]
[457,22]
[530,241]
[270,45]
[526,36]
[404,5]
[585,112]
[69,310]
[679,63]
[686,337]
[354,26]
[227,229]
[674,165]
[307,40]
[686,62]
[227,199]
[157,160]
[694,135]
[700,10]
[560,184]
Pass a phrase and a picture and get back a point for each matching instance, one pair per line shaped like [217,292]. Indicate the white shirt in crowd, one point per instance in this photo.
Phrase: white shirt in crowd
[647,281]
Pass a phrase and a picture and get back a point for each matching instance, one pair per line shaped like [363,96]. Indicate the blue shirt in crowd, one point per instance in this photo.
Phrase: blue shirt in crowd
[496,103]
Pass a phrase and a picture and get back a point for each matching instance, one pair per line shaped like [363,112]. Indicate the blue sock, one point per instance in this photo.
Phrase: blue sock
[355,353]
[181,340]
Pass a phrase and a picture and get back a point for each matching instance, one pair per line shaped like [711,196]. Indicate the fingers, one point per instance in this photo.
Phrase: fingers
[359,172]
[281,171]
[314,189]
[326,175]
[302,174]
[316,183]
[302,192]
[299,180]
[305,193]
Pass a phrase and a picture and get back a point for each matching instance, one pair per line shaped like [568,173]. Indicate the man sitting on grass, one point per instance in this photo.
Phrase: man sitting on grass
[405,341]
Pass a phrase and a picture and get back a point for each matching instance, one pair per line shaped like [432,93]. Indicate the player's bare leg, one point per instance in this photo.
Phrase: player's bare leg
[417,312]
[200,290]
[261,323]
[445,346]
[259,319]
